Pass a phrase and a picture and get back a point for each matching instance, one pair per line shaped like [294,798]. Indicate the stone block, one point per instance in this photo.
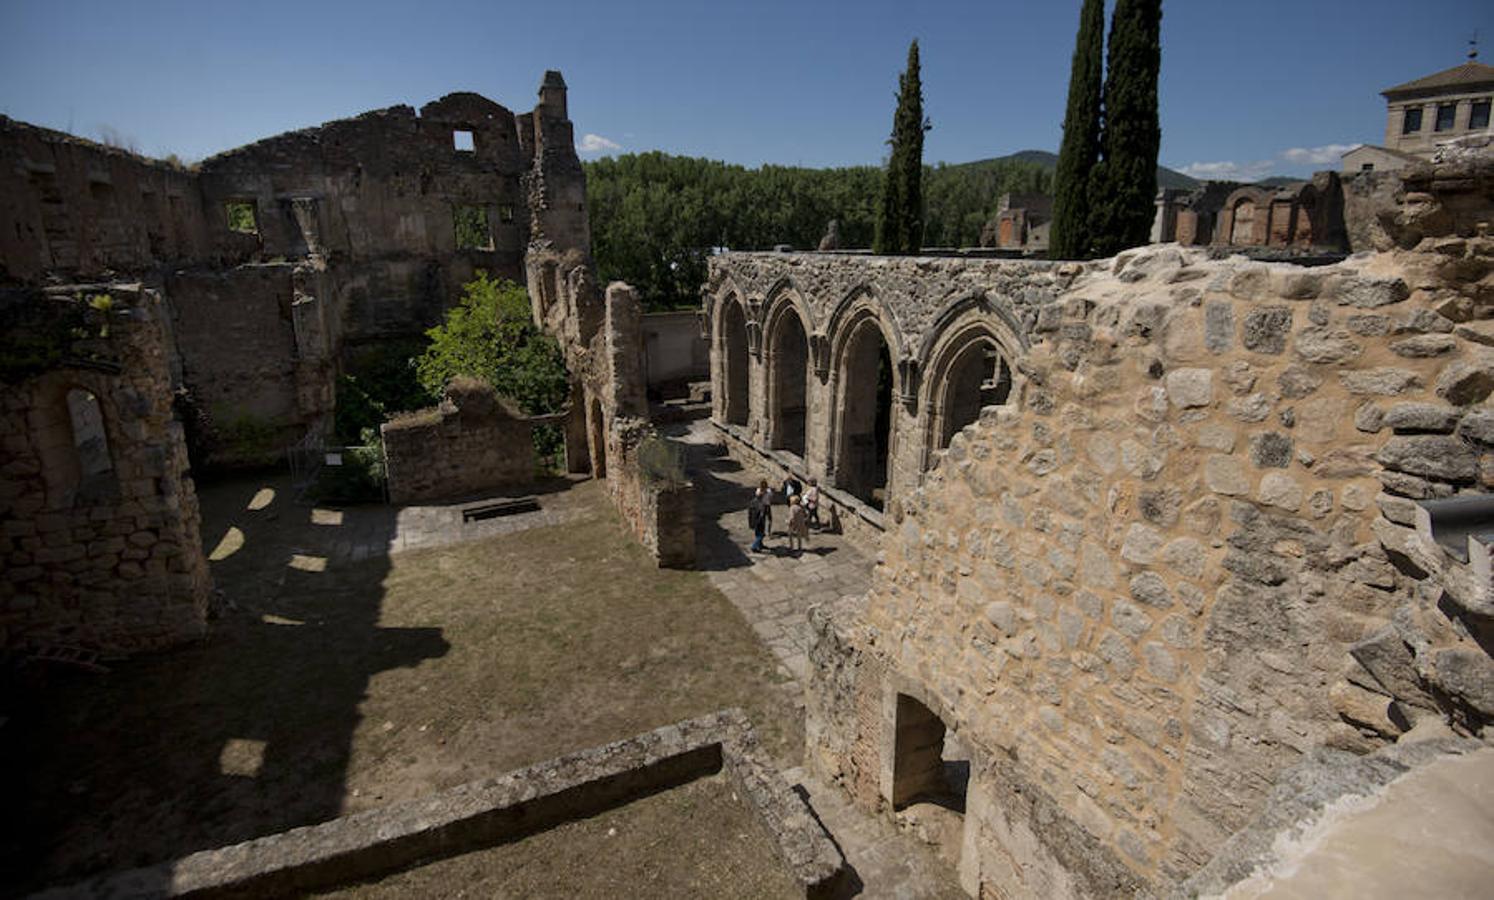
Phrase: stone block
[1226,475]
[1270,449]
[1465,382]
[1265,329]
[1326,346]
[1141,544]
[1430,417]
[1442,457]
[1280,490]
[1386,382]
[1188,388]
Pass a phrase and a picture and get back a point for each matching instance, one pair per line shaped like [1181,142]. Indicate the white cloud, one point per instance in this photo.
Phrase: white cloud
[595,143]
[1229,170]
[1326,155]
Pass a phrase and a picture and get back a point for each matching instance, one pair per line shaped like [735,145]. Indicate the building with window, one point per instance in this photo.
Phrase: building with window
[1424,113]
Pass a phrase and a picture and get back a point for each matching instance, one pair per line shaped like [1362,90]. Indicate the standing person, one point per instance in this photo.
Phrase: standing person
[760,514]
[798,524]
[812,502]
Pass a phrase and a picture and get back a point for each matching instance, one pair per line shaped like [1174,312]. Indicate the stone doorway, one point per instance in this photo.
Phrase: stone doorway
[598,428]
[788,356]
[866,416]
[930,774]
[734,346]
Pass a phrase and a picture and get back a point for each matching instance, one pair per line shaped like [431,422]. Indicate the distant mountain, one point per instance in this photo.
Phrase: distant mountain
[1279,181]
[1166,178]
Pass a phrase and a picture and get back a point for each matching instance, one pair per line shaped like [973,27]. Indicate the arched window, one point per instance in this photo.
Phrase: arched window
[977,377]
[89,440]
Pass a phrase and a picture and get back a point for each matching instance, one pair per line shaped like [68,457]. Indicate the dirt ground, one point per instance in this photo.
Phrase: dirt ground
[699,840]
[339,677]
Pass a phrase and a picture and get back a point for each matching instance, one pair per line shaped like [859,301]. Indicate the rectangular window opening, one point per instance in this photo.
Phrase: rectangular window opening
[506,212]
[462,142]
[242,216]
[1446,115]
[1367,167]
[1411,122]
[1478,117]
[472,231]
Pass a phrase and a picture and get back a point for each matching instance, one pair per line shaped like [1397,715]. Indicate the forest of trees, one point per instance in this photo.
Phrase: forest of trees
[655,217]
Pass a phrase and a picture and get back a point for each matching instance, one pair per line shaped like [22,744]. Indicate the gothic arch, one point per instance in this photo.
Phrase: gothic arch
[733,343]
[786,356]
[969,367]
[864,342]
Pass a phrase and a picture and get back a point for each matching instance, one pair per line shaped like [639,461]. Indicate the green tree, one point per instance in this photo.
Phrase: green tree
[1070,237]
[900,226]
[1124,185]
[491,335]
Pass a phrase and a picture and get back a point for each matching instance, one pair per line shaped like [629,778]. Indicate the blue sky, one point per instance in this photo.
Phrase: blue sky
[1248,88]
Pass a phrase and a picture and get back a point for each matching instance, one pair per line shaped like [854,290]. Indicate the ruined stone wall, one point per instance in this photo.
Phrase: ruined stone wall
[1186,556]
[676,351]
[648,486]
[354,237]
[377,196]
[100,543]
[469,444]
[78,209]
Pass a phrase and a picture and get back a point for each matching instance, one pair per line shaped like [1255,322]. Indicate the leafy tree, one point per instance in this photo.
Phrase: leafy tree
[491,335]
[1070,238]
[1124,185]
[900,226]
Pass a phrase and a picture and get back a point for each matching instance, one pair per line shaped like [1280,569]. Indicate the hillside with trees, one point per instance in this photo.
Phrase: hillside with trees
[655,217]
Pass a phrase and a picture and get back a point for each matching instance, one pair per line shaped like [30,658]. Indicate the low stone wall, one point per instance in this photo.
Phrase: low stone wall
[659,512]
[861,523]
[471,443]
[506,808]
[100,545]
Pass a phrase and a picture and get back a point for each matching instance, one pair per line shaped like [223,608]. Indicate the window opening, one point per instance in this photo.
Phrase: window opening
[1446,116]
[506,212]
[462,141]
[472,232]
[1411,122]
[242,216]
[1478,116]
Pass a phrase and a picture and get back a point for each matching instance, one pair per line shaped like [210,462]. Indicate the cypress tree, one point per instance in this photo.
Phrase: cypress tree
[900,226]
[1126,181]
[1081,138]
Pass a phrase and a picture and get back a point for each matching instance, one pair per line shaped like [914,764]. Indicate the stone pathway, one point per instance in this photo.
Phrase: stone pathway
[887,862]
[773,590]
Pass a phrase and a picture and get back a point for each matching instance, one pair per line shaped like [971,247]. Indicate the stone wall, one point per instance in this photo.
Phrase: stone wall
[676,352]
[647,483]
[1184,555]
[471,443]
[100,543]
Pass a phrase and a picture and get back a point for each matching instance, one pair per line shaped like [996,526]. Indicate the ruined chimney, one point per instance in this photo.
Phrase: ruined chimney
[552,96]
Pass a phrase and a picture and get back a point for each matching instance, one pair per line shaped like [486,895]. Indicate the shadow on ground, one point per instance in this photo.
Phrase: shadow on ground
[246,733]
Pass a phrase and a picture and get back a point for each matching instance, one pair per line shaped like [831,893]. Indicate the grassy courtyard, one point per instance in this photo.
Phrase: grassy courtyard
[339,678]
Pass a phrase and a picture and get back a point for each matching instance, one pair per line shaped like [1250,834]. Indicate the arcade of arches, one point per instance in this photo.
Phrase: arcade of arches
[821,371]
